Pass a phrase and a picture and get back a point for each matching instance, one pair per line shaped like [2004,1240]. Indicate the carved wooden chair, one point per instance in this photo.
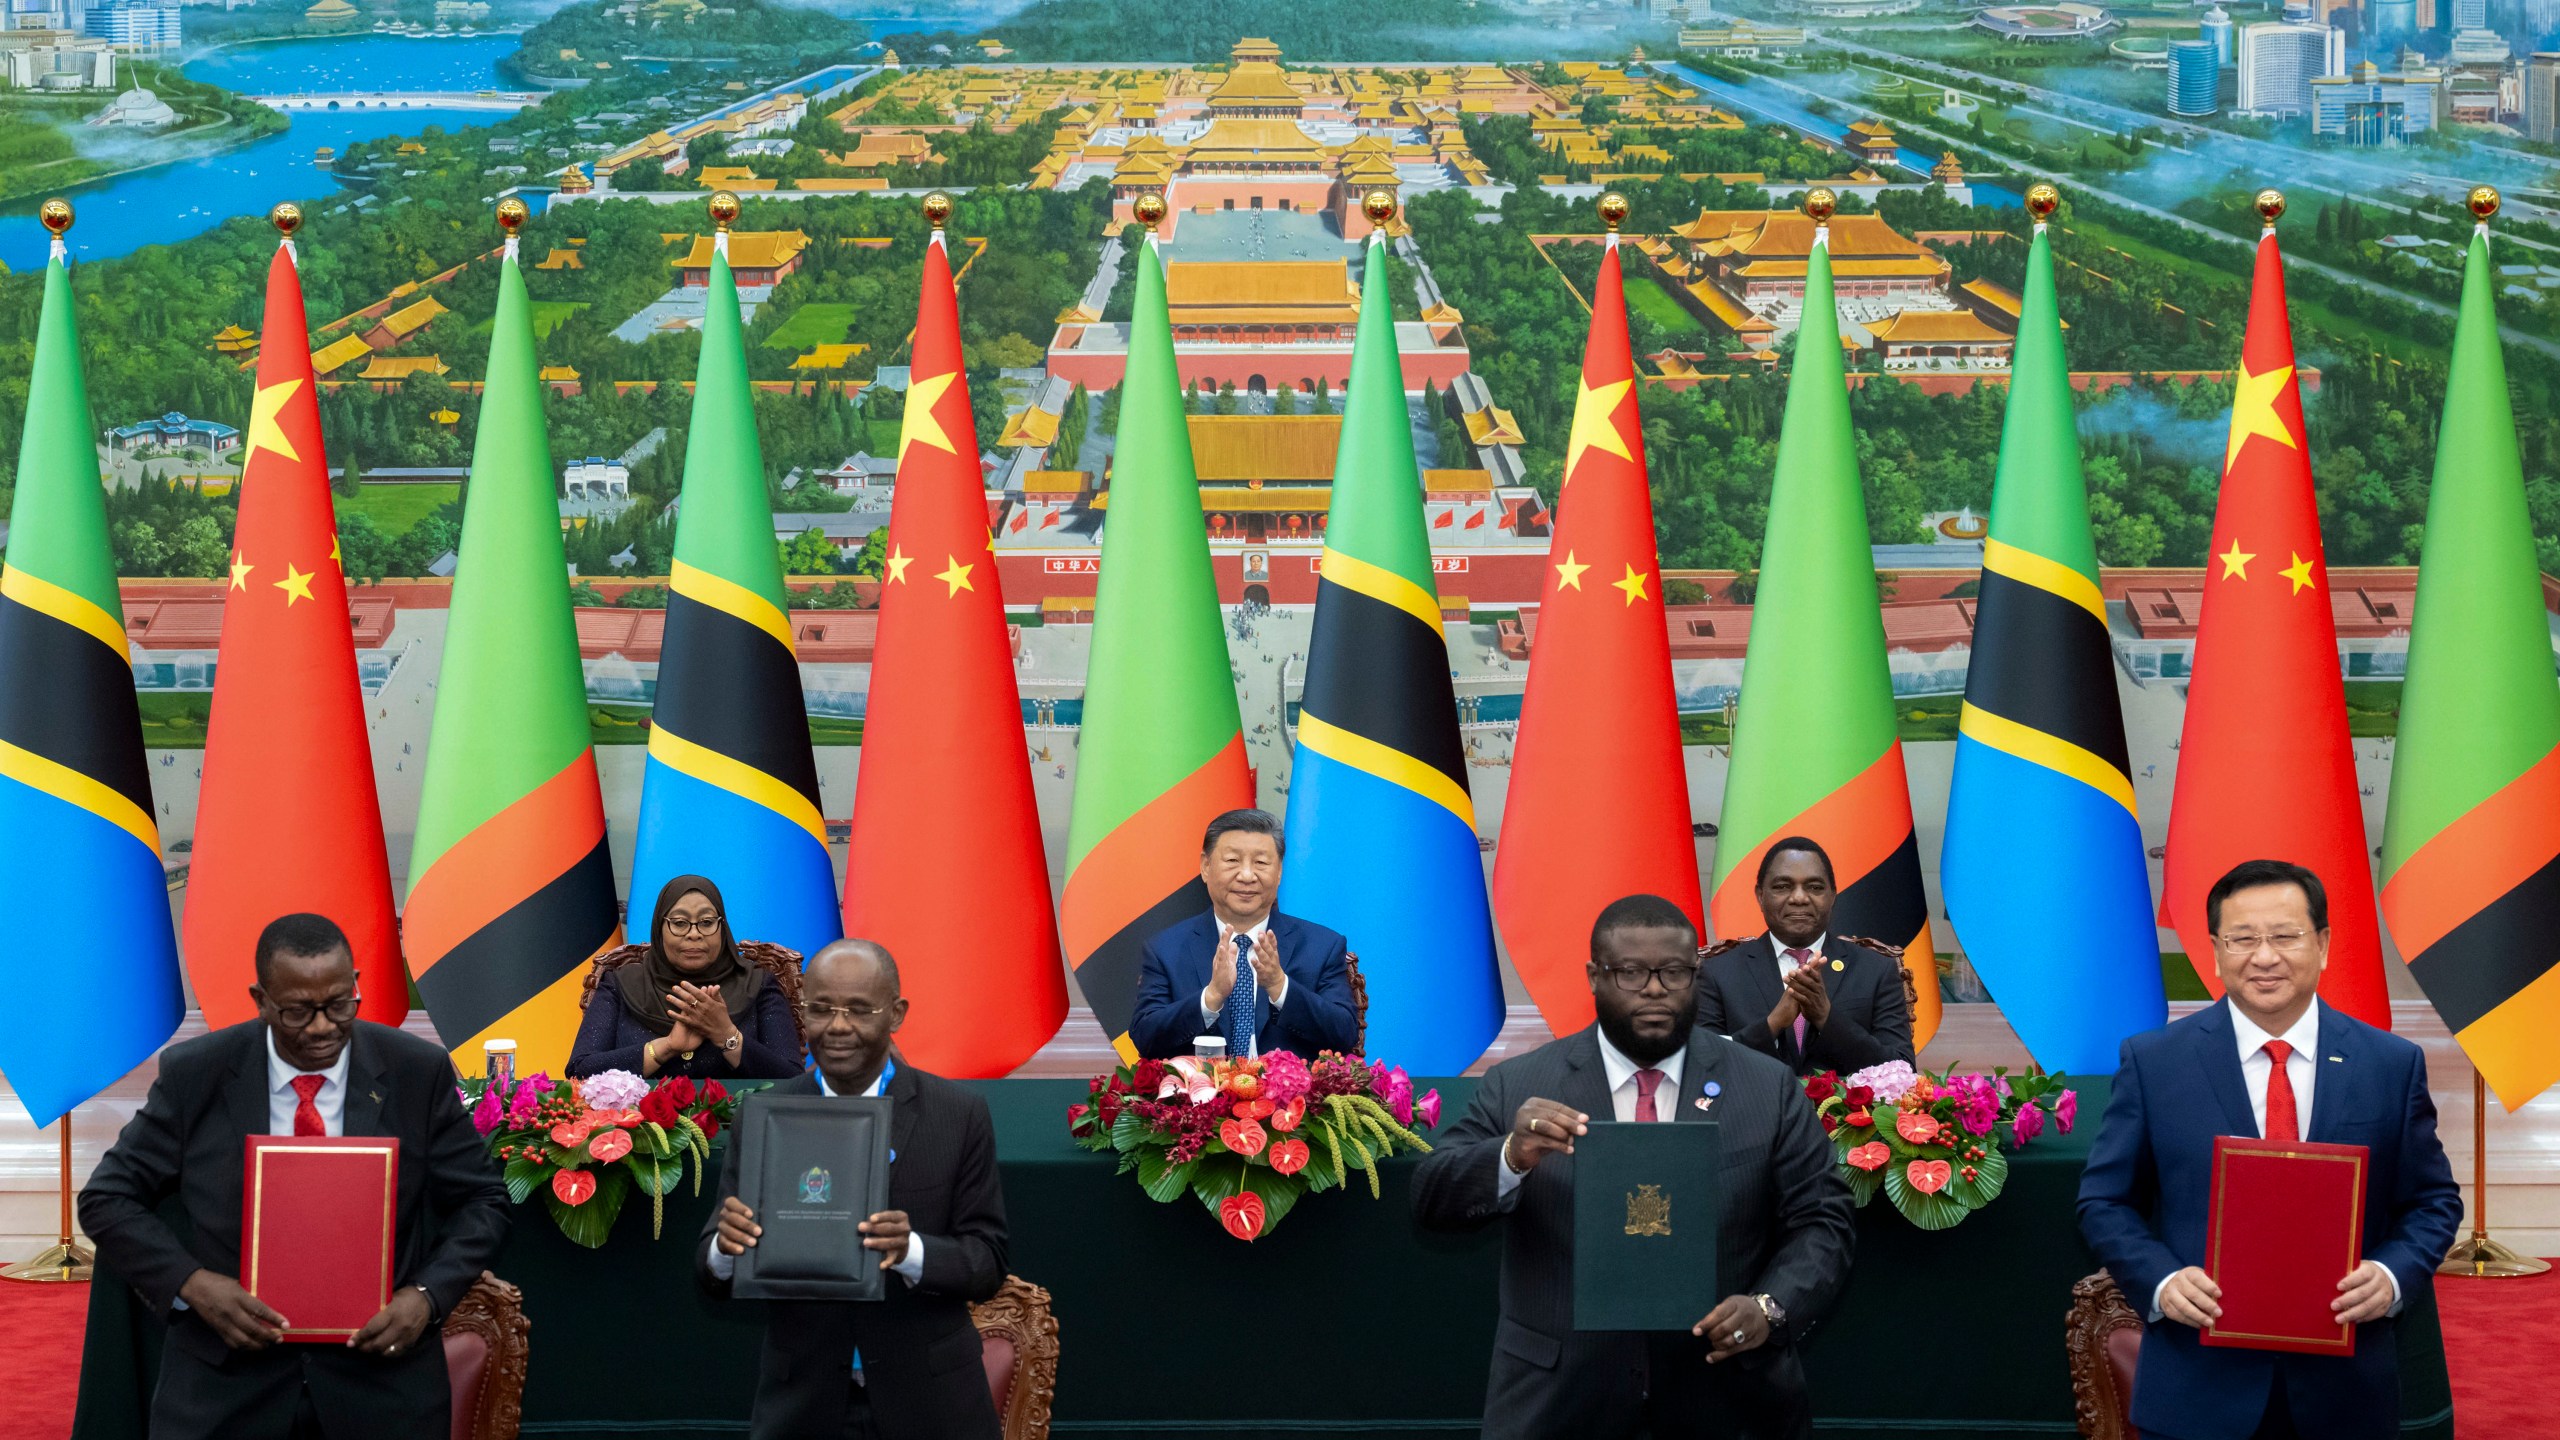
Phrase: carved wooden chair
[2104,1337]
[1018,1338]
[1359,1005]
[779,961]
[486,1346]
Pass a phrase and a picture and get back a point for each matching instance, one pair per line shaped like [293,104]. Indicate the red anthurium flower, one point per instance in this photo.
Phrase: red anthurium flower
[1242,1215]
[570,1134]
[574,1187]
[1288,1117]
[1289,1156]
[1871,1156]
[1928,1176]
[1918,1127]
[608,1146]
[1245,1137]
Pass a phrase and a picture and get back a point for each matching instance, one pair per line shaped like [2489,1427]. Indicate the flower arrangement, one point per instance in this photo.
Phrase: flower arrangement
[1251,1136]
[1932,1143]
[584,1143]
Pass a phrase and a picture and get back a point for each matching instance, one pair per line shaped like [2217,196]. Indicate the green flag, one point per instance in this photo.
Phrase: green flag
[510,882]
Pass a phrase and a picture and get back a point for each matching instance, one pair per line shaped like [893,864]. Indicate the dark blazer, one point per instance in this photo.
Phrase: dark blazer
[1785,1232]
[610,1039]
[920,1350]
[2145,1196]
[186,1141]
[1316,1017]
[1870,1011]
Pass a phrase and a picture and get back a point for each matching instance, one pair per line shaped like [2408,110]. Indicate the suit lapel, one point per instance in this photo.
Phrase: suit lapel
[365,1086]
[2329,1087]
[2218,1054]
[1760,989]
[902,1094]
[247,1086]
[1262,1008]
[1586,1080]
[1701,1068]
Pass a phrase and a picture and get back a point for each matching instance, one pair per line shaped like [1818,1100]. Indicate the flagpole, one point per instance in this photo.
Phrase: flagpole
[70,1260]
[2479,1257]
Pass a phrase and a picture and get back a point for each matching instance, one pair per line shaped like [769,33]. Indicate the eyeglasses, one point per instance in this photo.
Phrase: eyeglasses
[1633,978]
[2285,942]
[823,1017]
[339,1011]
[707,925]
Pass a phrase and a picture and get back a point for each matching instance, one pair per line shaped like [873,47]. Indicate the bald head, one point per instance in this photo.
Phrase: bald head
[861,961]
[850,1003]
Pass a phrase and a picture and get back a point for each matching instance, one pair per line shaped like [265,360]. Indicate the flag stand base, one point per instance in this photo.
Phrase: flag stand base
[69,1261]
[2478,1256]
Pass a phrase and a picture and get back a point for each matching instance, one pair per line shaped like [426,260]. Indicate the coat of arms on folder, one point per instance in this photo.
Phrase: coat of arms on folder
[1648,1211]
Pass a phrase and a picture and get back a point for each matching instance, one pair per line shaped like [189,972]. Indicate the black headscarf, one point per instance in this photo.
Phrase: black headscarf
[645,985]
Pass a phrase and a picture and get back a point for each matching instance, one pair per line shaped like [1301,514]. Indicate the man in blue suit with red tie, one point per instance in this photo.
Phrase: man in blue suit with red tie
[1242,971]
[2269,1061]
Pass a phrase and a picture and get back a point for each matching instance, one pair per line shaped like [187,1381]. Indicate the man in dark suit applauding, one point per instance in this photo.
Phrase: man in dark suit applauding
[2269,1061]
[305,1066]
[1262,980]
[1799,992]
[1785,1235]
[906,1367]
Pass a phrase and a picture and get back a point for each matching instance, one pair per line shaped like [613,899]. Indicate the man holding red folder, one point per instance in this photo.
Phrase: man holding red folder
[2269,1061]
[305,1067]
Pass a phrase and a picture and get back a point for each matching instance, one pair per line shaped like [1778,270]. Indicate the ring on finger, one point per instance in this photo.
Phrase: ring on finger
[1737,1337]
[1533,1124]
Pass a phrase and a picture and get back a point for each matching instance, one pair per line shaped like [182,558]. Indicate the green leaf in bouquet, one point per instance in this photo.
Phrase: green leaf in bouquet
[1279,1192]
[1160,1178]
[656,1174]
[1990,1176]
[523,1178]
[1863,1184]
[1128,1131]
[1941,1211]
[591,1223]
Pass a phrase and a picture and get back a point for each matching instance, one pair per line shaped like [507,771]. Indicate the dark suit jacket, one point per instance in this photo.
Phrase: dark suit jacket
[1870,1012]
[2146,1193]
[610,1039]
[920,1350]
[1316,1017]
[1785,1232]
[187,1141]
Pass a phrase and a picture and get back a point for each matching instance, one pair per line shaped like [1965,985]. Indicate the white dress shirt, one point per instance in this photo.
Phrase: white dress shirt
[1209,1014]
[1787,967]
[2302,1067]
[910,1268]
[1621,1072]
[283,1100]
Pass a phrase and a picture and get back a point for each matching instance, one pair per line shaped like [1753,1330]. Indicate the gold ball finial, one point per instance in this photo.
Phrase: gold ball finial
[1149,209]
[287,218]
[724,209]
[1819,203]
[512,213]
[937,209]
[2042,200]
[2484,202]
[56,214]
[2270,203]
[1379,206]
[1613,211]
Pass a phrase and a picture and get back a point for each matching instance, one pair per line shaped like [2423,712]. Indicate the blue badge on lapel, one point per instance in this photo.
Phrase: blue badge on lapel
[1707,1098]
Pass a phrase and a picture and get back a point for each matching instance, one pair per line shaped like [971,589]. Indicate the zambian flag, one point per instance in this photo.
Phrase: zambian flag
[510,883]
[1815,749]
[91,963]
[2471,848]
[1162,748]
[2041,836]
[731,788]
[1381,830]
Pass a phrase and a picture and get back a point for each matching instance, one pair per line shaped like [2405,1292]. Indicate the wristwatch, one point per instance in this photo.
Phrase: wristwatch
[732,1043]
[1775,1312]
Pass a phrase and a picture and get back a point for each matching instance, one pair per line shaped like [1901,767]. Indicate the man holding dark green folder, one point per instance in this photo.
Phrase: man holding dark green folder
[1775,1221]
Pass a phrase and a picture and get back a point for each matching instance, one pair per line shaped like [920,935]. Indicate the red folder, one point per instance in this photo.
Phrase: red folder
[2287,1225]
[316,1229]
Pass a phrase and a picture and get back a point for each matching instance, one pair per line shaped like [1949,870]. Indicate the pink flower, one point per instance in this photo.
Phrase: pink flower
[613,1090]
[1428,1107]
[1977,1104]
[1285,1078]
[486,1115]
[1887,1082]
[1394,1089]
[2066,1110]
[2028,1124]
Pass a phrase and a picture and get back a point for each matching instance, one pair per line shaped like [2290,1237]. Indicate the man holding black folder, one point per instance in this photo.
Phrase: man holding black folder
[1783,1232]
[306,1066]
[2268,1061]
[906,1367]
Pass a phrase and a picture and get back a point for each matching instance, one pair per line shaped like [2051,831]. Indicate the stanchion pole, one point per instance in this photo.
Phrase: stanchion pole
[2478,1256]
[70,1260]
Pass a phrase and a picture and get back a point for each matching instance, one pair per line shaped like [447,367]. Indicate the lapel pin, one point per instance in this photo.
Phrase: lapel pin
[1712,1091]
[2337,1059]
[1837,965]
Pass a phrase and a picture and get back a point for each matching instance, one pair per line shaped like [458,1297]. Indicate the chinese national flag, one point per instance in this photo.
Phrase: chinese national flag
[946,866]
[1598,806]
[2265,767]
[286,820]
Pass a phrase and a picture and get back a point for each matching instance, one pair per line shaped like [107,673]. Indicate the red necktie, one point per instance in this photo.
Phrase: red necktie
[2281,1125]
[1646,1083]
[1802,959]
[307,1121]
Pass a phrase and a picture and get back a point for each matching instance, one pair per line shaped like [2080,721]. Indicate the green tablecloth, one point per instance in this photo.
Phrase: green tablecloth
[1167,1325]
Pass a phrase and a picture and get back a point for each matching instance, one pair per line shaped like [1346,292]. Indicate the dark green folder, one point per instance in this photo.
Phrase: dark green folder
[1646,1202]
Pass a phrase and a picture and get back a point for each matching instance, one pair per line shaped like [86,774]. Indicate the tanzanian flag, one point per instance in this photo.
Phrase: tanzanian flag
[1161,751]
[2045,879]
[1816,751]
[1382,833]
[90,965]
[731,789]
[2471,848]
[510,883]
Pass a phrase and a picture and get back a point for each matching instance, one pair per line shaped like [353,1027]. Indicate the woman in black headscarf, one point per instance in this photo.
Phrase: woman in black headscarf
[689,1005]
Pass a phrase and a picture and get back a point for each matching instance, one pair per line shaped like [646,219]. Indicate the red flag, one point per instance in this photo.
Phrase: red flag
[1598,806]
[2265,766]
[286,819]
[947,868]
